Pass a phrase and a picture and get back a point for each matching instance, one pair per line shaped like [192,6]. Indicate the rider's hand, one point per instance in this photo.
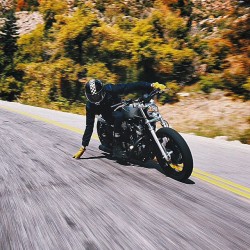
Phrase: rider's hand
[79,153]
[159,86]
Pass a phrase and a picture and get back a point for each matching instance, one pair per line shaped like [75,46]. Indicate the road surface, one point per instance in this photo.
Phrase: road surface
[50,201]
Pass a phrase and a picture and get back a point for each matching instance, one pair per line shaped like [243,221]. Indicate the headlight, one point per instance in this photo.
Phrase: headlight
[152,111]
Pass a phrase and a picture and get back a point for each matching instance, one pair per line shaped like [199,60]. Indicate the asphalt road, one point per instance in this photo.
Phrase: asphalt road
[50,201]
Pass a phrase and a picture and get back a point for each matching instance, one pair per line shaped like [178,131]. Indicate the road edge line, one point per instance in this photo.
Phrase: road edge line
[207,177]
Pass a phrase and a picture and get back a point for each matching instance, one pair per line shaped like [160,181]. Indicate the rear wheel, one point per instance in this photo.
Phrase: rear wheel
[180,166]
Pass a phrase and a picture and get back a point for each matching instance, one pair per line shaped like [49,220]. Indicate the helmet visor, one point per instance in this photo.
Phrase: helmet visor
[96,98]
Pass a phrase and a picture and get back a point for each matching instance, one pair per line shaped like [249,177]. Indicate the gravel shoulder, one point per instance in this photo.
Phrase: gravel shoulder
[214,115]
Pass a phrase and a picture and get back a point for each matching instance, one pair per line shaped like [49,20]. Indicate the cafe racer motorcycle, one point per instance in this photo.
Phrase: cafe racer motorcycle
[141,140]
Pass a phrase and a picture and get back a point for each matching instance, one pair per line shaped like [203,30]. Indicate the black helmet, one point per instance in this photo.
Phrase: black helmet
[94,91]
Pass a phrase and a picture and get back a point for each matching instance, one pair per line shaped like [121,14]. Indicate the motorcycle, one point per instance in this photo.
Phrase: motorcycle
[142,141]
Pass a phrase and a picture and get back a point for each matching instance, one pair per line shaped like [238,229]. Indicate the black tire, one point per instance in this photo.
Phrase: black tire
[181,165]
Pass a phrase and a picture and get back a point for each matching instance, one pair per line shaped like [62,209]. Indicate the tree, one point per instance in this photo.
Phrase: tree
[73,32]
[50,9]
[8,40]
[27,5]
[34,40]
[21,5]
[10,87]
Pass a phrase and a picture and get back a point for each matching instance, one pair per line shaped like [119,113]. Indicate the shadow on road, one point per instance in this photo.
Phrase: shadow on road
[93,157]
[155,165]
[149,164]
[188,181]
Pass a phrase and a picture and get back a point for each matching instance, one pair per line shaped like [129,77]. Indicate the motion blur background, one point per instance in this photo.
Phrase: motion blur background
[199,49]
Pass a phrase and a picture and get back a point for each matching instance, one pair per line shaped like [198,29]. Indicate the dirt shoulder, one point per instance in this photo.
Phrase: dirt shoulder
[211,115]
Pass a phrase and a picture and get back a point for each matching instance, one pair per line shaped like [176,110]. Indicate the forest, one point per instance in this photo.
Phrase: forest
[175,42]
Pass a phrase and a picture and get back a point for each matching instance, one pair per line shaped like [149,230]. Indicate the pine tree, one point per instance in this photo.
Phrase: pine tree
[8,40]
[10,87]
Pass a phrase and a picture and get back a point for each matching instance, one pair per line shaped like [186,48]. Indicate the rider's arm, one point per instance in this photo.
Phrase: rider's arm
[125,88]
[90,120]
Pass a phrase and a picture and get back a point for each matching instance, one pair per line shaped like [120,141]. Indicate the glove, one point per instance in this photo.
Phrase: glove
[159,86]
[79,153]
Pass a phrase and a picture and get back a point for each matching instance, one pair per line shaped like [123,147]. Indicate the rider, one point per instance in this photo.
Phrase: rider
[100,99]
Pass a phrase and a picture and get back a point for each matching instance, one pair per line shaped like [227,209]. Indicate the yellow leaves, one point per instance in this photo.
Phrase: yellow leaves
[239,64]
[65,68]
[44,78]
[173,87]
[100,71]
[9,86]
[88,4]
[143,41]
[31,45]
[60,21]
[246,86]
[75,28]
[170,94]
[175,26]
[183,55]
[219,45]
[110,45]
[69,33]
[56,6]
[110,38]
[163,5]
[143,28]
[166,57]
[216,50]
[124,63]
[166,2]
[237,74]
[112,11]
[164,66]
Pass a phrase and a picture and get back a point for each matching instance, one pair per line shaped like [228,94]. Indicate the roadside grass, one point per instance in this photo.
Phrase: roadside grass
[245,137]
[209,128]
[218,114]
[76,108]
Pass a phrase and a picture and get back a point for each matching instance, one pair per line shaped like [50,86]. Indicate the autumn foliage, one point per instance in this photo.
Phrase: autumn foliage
[124,41]
[26,5]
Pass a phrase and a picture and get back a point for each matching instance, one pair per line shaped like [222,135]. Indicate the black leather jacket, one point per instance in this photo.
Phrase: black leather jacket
[104,108]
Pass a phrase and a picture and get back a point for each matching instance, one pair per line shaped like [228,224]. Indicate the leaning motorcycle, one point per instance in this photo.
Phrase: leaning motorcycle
[141,140]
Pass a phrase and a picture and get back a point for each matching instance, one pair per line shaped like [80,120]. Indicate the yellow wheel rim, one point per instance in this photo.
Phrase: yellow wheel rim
[177,168]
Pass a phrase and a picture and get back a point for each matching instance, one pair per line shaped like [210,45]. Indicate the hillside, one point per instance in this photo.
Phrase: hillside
[197,46]
[214,115]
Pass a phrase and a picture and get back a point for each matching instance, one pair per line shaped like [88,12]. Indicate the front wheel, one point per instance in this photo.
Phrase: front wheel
[180,166]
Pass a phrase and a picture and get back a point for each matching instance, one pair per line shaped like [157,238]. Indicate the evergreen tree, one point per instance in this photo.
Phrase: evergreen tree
[32,3]
[10,87]
[8,41]
[49,9]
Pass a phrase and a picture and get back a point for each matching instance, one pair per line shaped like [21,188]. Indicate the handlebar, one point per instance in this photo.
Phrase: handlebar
[122,103]
[116,105]
[144,98]
[147,97]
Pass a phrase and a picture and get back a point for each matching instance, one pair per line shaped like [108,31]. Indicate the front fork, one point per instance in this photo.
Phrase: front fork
[166,155]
